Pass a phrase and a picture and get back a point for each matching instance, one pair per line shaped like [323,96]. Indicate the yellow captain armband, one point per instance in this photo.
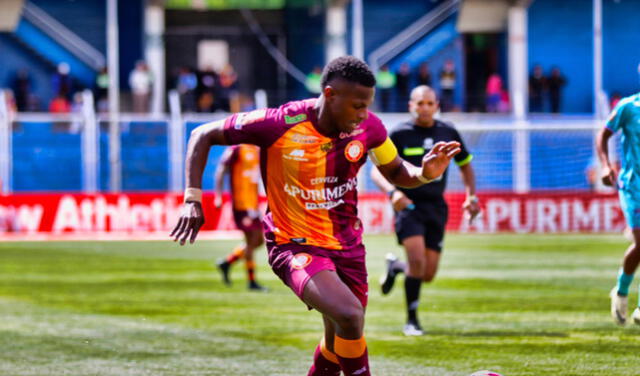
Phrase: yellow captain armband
[384,153]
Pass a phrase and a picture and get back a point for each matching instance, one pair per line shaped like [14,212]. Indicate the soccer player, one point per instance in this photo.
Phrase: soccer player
[311,152]
[242,163]
[625,117]
[421,213]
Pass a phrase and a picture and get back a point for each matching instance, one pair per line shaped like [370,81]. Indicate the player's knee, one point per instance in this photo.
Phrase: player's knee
[350,317]
[428,276]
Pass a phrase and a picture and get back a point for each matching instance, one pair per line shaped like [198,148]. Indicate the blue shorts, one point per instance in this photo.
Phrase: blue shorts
[630,205]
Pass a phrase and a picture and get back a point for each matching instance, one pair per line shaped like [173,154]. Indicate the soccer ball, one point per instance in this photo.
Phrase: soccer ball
[485,373]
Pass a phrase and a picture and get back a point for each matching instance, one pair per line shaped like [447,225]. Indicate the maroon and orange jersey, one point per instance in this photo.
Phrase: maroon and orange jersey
[310,179]
[243,163]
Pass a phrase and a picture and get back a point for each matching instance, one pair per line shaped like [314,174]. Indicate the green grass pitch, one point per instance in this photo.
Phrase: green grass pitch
[515,304]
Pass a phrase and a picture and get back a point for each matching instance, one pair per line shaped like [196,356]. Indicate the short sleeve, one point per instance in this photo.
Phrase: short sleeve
[464,157]
[376,132]
[616,118]
[258,127]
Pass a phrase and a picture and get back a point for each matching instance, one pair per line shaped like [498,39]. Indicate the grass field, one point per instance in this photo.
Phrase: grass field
[516,304]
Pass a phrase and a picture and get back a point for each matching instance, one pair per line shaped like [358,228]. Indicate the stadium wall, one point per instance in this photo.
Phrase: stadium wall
[564,212]
[560,34]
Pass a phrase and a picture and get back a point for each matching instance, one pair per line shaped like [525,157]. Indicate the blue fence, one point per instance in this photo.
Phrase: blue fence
[47,157]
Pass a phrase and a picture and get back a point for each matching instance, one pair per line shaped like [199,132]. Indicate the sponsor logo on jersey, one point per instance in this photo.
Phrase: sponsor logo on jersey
[301,260]
[428,143]
[295,119]
[327,205]
[325,194]
[303,139]
[354,151]
[296,155]
[324,179]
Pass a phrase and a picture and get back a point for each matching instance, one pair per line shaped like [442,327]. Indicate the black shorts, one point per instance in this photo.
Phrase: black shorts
[428,218]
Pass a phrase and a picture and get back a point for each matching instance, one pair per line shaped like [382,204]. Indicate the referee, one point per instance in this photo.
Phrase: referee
[421,213]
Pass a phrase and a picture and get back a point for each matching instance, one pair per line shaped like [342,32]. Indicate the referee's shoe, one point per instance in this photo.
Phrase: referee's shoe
[389,277]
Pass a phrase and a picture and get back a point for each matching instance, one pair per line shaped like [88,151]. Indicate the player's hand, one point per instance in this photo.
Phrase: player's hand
[217,201]
[472,208]
[190,222]
[609,177]
[437,160]
[400,201]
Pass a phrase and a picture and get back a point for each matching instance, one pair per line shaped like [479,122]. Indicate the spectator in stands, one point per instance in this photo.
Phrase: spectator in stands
[141,82]
[101,92]
[312,82]
[537,88]
[60,105]
[206,102]
[206,90]
[403,82]
[186,85]
[228,93]
[493,92]
[385,82]
[424,75]
[555,82]
[61,81]
[22,90]
[447,86]
[246,103]
[505,102]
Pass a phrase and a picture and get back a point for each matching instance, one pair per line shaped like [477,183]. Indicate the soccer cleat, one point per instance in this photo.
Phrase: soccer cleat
[389,278]
[636,316]
[224,267]
[412,328]
[255,286]
[618,307]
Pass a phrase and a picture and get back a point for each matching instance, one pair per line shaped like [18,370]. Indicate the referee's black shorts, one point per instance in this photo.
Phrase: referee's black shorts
[428,218]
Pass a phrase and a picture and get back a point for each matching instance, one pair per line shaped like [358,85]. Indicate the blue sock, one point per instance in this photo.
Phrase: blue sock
[624,280]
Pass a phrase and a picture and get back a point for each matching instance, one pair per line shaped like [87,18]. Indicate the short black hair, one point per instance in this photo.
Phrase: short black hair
[349,68]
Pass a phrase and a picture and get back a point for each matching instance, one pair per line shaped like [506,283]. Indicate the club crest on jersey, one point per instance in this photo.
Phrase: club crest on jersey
[354,151]
[301,260]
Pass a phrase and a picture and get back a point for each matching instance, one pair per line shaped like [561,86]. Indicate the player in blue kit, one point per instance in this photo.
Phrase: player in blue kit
[625,118]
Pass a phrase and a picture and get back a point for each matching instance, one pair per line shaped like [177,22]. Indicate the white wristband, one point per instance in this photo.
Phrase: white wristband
[424,180]
[193,194]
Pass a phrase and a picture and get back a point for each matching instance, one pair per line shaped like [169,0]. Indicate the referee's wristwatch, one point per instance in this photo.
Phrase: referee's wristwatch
[391,192]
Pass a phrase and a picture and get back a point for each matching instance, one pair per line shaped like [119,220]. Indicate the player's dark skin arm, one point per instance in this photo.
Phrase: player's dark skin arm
[200,141]
[602,146]
[403,174]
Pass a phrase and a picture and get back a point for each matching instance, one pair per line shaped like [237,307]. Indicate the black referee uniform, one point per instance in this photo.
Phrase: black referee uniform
[429,216]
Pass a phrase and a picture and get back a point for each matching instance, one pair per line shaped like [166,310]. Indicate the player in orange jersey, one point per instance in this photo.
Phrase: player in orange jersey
[310,153]
[242,163]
